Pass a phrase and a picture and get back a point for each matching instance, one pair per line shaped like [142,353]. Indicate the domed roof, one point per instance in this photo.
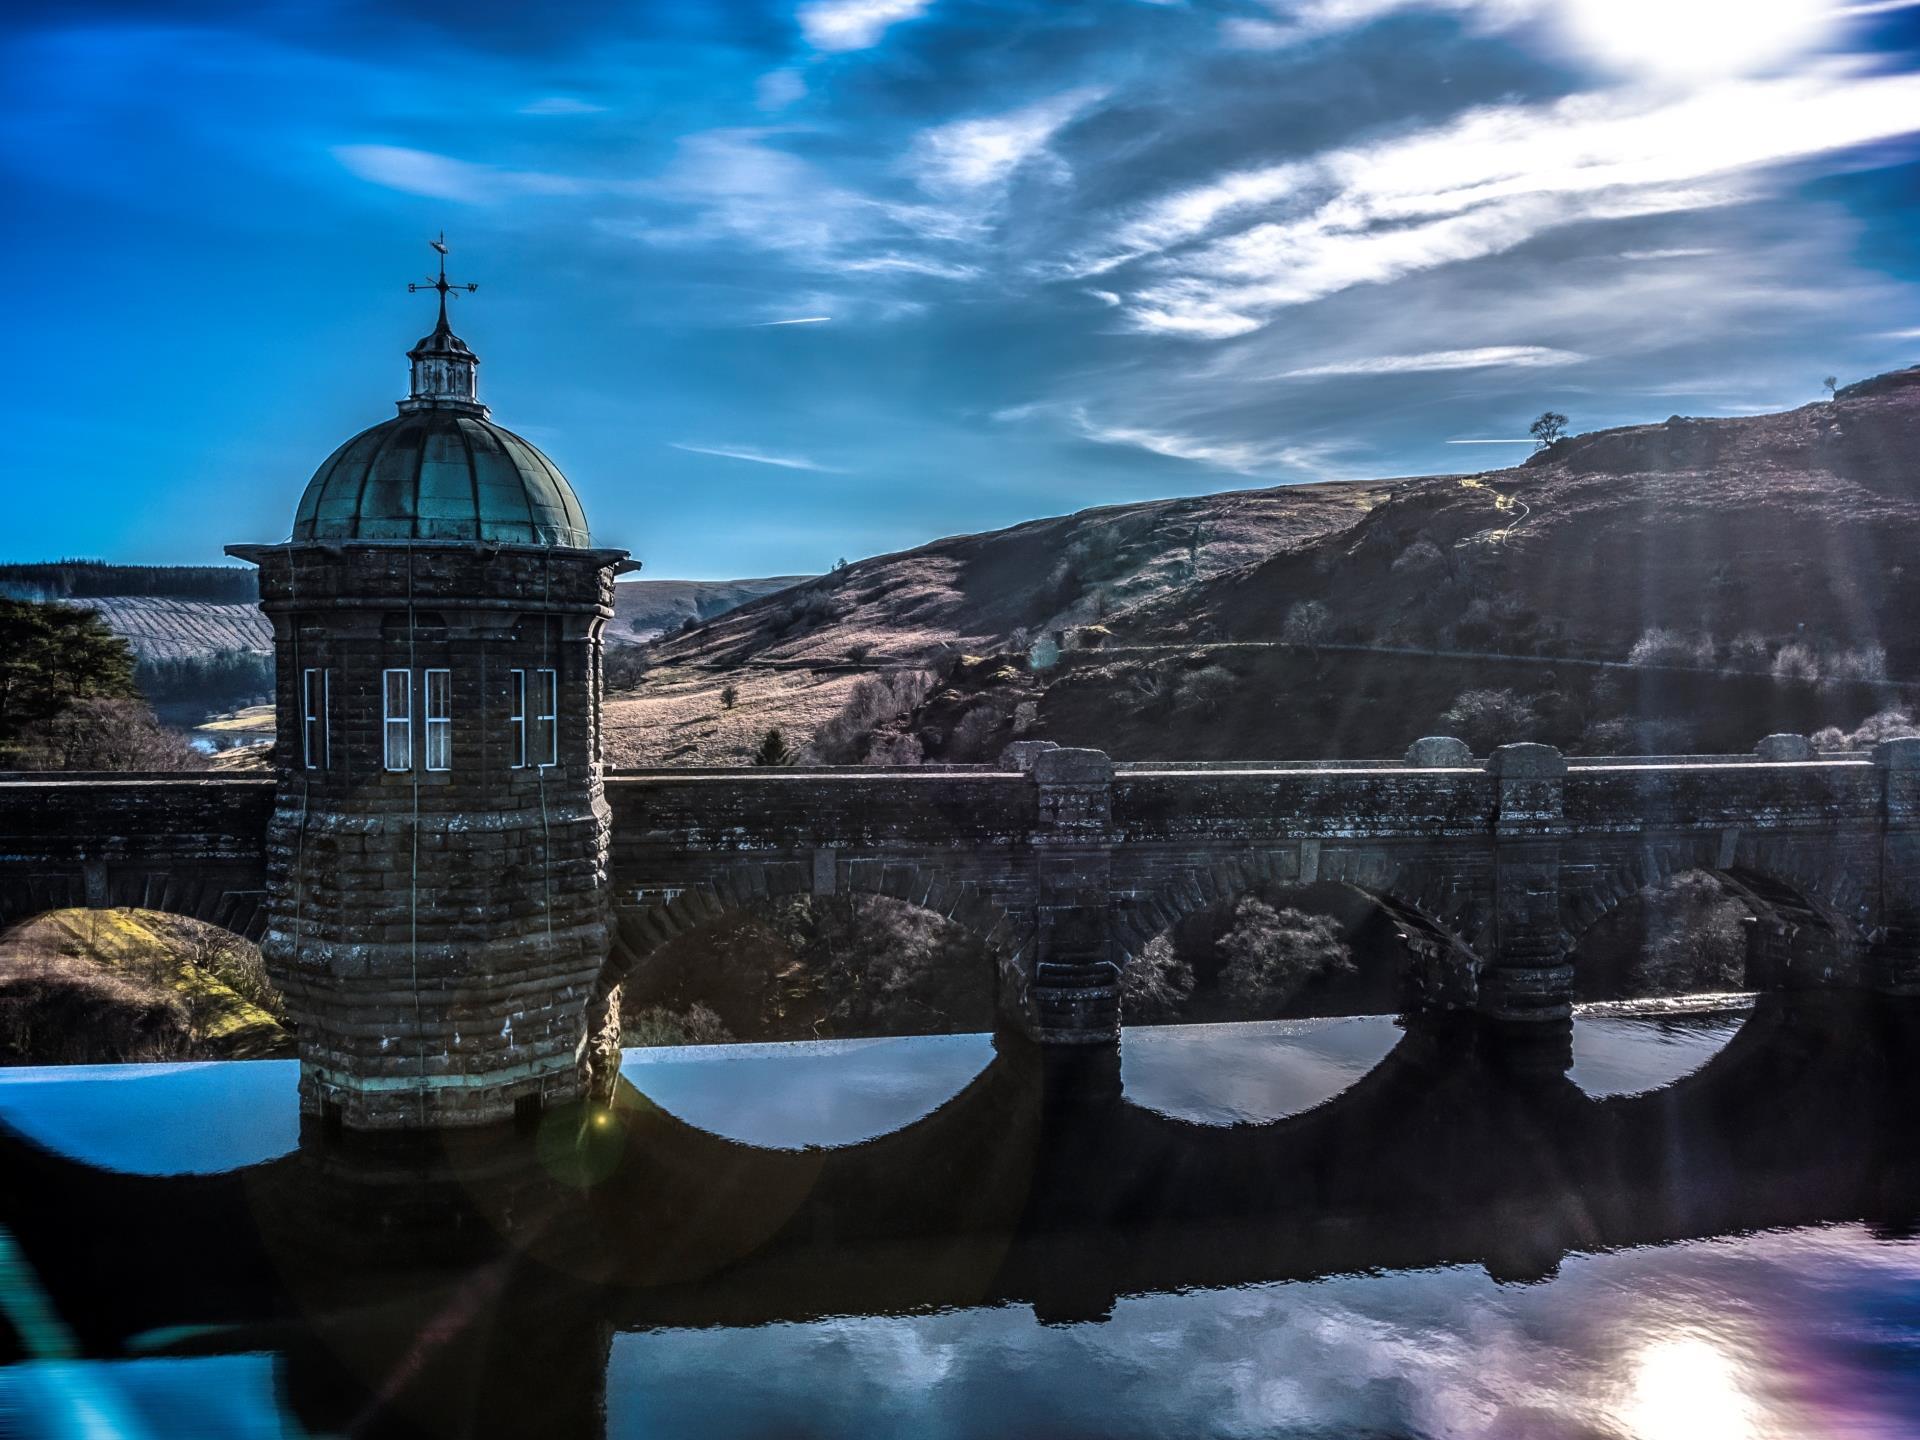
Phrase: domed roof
[441,474]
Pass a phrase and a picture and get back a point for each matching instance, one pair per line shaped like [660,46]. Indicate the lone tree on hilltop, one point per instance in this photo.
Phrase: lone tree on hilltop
[1831,385]
[1550,426]
[774,749]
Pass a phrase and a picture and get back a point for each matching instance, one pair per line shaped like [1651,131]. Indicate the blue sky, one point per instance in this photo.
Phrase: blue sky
[776,283]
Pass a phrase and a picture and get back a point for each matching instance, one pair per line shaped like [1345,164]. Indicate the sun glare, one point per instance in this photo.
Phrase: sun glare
[1687,1388]
[1680,39]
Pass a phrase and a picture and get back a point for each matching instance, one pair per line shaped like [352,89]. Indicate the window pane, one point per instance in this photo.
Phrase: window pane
[399,694]
[439,745]
[518,719]
[439,694]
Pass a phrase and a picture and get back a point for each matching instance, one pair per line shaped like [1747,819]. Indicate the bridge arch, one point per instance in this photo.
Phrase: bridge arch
[640,930]
[235,901]
[1812,917]
[1435,916]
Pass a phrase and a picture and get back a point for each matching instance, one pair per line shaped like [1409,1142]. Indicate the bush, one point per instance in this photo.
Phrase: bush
[895,750]
[1797,661]
[1272,955]
[1044,654]
[1659,646]
[1863,664]
[729,696]
[1419,557]
[974,734]
[1487,718]
[1308,624]
[657,1025]
[1205,690]
[103,734]
[1155,982]
[844,739]
[1884,725]
[1693,939]
[623,667]
[859,651]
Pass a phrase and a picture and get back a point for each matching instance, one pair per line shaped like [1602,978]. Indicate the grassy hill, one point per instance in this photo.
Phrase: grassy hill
[1689,585]
[646,609]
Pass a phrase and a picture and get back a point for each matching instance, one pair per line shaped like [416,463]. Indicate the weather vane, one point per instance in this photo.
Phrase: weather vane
[440,283]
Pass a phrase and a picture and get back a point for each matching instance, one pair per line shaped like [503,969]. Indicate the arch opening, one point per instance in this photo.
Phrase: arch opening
[1272,950]
[106,985]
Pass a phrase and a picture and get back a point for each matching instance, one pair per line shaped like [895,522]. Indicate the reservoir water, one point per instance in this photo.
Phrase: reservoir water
[1697,1226]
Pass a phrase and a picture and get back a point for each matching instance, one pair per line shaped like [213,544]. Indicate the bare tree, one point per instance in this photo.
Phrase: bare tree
[1549,427]
[1831,385]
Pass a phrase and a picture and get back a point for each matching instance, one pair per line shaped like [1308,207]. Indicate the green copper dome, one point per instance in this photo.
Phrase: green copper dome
[441,473]
[441,470]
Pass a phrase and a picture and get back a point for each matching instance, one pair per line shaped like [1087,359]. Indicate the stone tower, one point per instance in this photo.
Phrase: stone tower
[438,853]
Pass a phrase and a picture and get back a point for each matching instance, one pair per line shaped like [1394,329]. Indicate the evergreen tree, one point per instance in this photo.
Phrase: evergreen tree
[51,658]
[773,750]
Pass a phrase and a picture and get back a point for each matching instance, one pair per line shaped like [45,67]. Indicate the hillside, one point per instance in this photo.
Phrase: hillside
[646,609]
[795,657]
[1753,569]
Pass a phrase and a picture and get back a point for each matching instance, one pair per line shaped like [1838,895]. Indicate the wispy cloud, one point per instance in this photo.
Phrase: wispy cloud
[1480,185]
[1486,357]
[1240,456]
[968,156]
[1681,252]
[797,320]
[756,457]
[562,105]
[854,24]
[1493,442]
[440,177]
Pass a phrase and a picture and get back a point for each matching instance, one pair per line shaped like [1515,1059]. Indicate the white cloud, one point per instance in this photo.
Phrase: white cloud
[420,172]
[1480,185]
[1897,335]
[909,265]
[797,320]
[1493,442]
[1486,357]
[1680,253]
[1242,457]
[854,24]
[757,457]
[561,105]
[983,153]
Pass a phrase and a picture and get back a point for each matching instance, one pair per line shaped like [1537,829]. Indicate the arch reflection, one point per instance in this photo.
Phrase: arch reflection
[1631,1050]
[1251,1073]
[813,1094]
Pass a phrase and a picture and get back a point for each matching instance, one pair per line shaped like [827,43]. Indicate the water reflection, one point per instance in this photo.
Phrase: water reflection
[180,1119]
[1633,1054]
[1250,1073]
[1433,1242]
[811,1093]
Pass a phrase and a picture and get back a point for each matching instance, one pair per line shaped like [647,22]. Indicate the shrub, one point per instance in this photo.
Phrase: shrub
[1659,646]
[1864,663]
[1044,654]
[1486,718]
[623,667]
[843,739]
[1206,690]
[657,1025]
[729,696]
[1796,661]
[1308,624]
[1419,557]
[895,750]
[1693,939]
[1155,982]
[859,651]
[974,734]
[103,734]
[1884,725]
[1273,954]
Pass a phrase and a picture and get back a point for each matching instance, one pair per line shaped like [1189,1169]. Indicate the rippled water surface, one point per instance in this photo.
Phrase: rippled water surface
[1696,1227]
